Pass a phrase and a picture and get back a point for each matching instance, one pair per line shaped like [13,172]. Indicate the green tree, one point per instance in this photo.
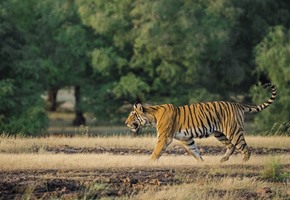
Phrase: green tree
[116,52]
[272,58]
[187,45]
[21,108]
[252,25]
[109,58]
[60,43]
[164,51]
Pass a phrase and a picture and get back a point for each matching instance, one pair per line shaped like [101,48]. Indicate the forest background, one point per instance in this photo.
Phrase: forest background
[117,52]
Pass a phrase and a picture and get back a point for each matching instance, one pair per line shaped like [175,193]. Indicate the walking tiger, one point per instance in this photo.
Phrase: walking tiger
[225,120]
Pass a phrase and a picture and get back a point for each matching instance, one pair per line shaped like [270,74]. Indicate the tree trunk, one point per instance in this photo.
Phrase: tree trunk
[52,94]
[79,117]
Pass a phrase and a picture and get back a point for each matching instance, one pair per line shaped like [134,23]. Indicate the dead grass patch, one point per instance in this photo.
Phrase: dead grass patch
[226,188]
[27,144]
[45,161]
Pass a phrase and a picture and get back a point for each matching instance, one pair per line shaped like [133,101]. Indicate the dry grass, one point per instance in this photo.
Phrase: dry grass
[225,188]
[201,190]
[44,161]
[23,145]
[16,153]
[253,141]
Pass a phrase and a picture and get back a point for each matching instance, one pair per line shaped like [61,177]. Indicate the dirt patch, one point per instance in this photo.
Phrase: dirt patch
[94,184]
[76,184]
[175,150]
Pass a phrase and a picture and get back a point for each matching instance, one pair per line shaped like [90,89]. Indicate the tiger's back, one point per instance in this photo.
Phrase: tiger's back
[202,119]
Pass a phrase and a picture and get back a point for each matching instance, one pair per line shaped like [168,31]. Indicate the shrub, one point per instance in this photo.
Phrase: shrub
[273,170]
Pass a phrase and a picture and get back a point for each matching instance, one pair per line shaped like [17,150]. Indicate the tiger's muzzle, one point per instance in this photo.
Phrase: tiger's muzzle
[134,126]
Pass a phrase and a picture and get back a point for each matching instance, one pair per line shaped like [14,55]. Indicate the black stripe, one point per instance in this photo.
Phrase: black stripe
[209,122]
[164,106]
[184,114]
[186,131]
[210,118]
[214,114]
[154,108]
[202,117]
[190,120]
[221,137]
[191,143]
[196,118]
[178,112]
[241,147]
[218,115]
[223,109]
[237,142]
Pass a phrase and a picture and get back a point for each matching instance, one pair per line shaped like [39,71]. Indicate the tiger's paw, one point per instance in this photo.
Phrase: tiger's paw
[154,158]
[200,159]
[224,159]
[247,157]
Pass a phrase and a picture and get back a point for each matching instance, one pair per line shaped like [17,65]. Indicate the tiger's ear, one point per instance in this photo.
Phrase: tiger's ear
[138,107]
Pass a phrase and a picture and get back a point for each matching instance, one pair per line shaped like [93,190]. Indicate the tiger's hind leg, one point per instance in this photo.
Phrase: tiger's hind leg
[239,141]
[224,140]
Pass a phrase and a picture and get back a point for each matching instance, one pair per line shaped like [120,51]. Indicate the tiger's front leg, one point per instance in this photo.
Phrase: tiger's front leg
[161,145]
[192,149]
[189,144]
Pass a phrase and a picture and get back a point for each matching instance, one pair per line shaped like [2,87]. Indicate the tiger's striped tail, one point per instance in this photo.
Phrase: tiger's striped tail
[253,109]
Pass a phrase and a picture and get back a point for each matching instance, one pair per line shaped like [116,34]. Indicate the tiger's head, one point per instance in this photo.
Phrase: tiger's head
[137,118]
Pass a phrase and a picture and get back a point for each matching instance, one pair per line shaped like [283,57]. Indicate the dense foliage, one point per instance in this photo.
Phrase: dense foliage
[118,52]
[272,58]
[21,108]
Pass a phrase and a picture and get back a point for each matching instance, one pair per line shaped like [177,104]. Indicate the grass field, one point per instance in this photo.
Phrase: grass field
[73,168]
[28,144]
[44,161]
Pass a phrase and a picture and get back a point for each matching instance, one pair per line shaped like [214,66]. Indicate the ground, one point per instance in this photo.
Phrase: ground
[103,183]
[136,182]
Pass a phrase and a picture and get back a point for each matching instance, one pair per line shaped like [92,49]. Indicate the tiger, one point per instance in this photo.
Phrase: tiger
[225,120]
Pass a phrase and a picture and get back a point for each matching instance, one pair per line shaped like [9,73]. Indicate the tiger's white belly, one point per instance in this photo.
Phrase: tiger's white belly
[184,135]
